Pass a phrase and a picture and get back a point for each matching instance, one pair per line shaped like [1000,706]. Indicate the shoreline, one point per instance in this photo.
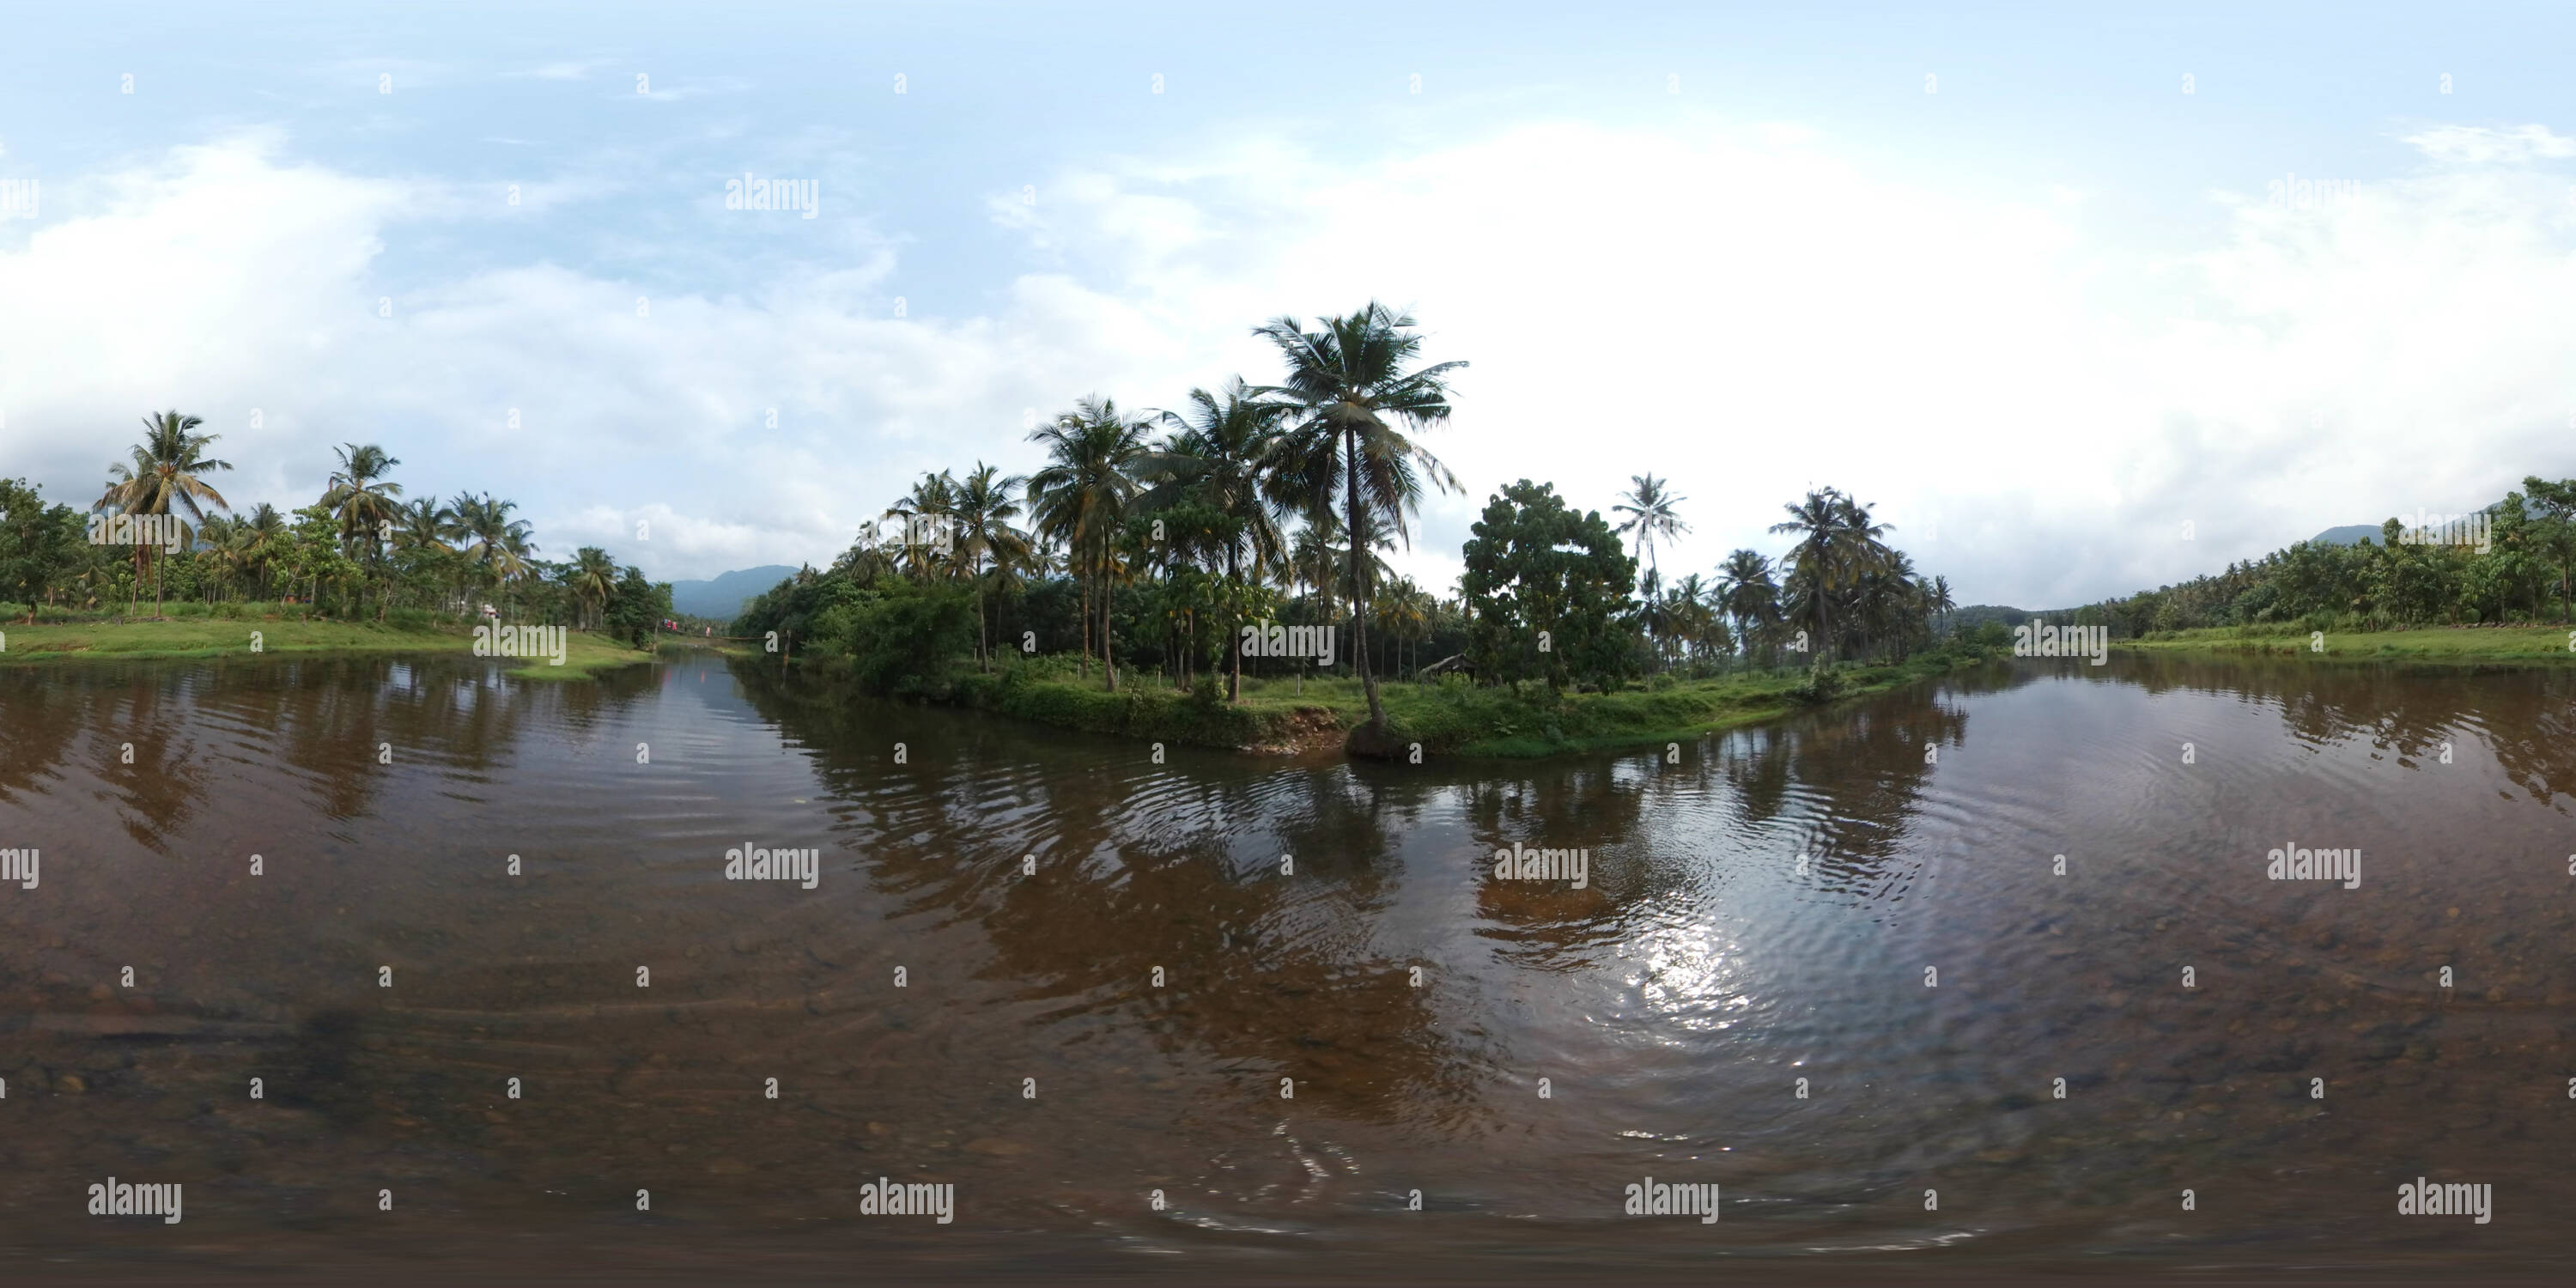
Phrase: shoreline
[201,638]
[1482,724]
[2441,645]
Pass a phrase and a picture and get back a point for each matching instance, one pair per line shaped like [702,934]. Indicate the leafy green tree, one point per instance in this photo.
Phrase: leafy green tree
[40,545]
[1546,589]
[636,607]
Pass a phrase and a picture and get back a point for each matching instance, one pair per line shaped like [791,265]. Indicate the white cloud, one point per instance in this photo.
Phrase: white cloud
[1745,310]
[2483,145]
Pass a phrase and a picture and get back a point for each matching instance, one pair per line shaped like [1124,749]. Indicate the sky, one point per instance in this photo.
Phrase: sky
[2082,303]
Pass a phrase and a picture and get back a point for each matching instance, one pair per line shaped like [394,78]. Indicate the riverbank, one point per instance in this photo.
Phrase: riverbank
[2456,644]
[47,643]
[1456,718]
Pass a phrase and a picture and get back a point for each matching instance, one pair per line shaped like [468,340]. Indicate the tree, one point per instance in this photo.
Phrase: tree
[636,607]
[592,579]
[162,480]
[1224,456]
[983,507]
[1546,591]
[363,501]
[1650,507]
[39,544]
[1746,592]
[494,544]
[1839,542]
[1357,389]
[1080,499]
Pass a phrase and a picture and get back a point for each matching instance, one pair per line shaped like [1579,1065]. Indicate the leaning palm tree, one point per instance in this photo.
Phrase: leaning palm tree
[1223,457]
[1650,505]
[1080,500]
[1357,389]
[163,480]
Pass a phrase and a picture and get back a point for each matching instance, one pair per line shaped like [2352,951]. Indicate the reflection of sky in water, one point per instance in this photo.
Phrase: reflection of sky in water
[1670,1003]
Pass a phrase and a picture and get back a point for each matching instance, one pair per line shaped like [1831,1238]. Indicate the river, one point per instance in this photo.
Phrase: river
[1353,1014]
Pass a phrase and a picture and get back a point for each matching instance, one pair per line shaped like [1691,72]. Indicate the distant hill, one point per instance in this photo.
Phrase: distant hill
[1976,615]
[723,597]
[2349,534]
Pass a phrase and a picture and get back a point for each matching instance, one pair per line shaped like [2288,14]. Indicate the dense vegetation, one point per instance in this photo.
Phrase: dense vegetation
[2403,579]
[359,551]
[1276,505]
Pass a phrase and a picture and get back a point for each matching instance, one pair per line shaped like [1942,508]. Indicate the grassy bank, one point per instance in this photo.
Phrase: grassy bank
[2463,644]
[1455,718]
[190,637]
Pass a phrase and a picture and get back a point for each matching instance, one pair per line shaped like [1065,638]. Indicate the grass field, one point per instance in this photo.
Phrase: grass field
[2472,644]
[59,642]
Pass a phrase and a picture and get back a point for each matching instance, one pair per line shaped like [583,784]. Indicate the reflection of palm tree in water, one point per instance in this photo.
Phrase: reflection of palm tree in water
[1274,977]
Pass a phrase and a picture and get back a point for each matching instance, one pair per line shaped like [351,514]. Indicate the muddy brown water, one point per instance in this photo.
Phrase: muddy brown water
[1516,1051]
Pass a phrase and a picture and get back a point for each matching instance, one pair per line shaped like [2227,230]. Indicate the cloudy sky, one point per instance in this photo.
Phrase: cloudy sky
[2051,292]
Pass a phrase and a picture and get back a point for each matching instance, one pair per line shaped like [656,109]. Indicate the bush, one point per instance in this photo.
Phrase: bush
[408,619]
[1823,684]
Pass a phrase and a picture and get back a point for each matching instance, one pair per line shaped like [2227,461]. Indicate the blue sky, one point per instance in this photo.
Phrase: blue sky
[1992,267]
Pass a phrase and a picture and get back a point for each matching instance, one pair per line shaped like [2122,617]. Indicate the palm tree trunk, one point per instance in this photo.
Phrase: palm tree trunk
[1359,606]
[1108,667]
[1234,630]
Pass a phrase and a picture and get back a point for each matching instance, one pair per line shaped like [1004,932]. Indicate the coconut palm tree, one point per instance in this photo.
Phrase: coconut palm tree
[1223,456]
[1650,505]
[1358,389]
[362,500]
[495,545]
[983,507]
[1746,592]
[934,496]
[1940,602]
[1080,500]
[592,578]
[1838,541]
[162,480]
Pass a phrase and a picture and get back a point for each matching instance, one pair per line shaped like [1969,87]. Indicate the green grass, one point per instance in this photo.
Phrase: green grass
[2472,644]
[197,637]
[1451,719]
